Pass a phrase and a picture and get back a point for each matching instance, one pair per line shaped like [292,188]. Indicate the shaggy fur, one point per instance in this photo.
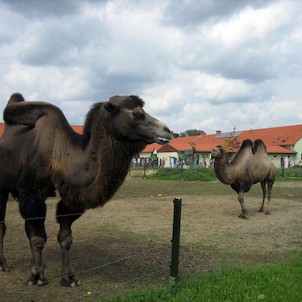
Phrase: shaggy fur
[40,152]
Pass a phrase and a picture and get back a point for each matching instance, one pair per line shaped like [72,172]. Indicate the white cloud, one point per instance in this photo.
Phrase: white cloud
[217,89]
[197,64]
[248,25]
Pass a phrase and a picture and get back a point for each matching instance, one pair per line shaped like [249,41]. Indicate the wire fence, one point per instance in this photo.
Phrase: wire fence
[158,247]
[97,267]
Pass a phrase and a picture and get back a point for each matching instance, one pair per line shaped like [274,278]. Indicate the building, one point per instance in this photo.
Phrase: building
[284,146]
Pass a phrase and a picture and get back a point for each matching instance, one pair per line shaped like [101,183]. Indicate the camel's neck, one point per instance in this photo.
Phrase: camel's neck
[223,170]
[72,163]
[95,173]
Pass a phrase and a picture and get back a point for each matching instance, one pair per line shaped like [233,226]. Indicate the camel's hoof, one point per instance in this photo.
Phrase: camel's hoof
[260,210]
[37,280]
[267,213]
[242,216]
[4,268]
[70,282]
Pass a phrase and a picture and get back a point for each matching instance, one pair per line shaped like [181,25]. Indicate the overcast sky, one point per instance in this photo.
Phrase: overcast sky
[198,64]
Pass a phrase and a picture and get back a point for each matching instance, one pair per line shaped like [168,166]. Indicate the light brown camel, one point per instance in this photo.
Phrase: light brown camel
[250,165]
[40,152]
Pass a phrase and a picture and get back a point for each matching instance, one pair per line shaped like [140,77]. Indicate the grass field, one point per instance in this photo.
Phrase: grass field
[280,282]
[198,174]
[125,246]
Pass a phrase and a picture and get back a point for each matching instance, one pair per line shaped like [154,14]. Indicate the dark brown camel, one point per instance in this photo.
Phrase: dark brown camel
[249,166]
[40,152]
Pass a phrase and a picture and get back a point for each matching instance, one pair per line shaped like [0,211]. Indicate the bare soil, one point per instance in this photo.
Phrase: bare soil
[127,244]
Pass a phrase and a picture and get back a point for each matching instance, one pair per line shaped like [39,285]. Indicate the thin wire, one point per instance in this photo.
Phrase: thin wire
[108,263]
[147,275]
[44,217]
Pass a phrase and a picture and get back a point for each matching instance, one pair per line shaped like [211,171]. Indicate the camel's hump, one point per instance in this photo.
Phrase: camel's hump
[246,143]
[259,146]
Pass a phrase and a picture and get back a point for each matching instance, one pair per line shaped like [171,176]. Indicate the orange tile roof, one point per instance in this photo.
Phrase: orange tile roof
[167,148]
[151,147]
[275,138]
[78,129]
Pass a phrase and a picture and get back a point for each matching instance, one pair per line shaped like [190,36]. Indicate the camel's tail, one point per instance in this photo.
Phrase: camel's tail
[259,146]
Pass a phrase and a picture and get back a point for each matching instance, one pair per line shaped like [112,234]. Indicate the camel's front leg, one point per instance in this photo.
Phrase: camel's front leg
[65,218]
[243,208]
[3,200]
[3,266]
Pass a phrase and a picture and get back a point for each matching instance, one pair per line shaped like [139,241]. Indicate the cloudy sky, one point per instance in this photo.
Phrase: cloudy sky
[198,64]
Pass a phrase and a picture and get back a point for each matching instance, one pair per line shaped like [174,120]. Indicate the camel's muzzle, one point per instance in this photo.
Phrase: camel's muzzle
[214,153]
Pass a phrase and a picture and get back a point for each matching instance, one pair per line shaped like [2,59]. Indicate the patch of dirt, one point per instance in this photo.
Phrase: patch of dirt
[127,244]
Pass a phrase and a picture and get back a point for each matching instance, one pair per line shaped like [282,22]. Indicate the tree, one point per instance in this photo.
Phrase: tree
[191,132]
[232,143]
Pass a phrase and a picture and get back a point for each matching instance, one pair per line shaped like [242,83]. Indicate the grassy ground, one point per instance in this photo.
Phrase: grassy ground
[271,283]
[125,246]
[199,174]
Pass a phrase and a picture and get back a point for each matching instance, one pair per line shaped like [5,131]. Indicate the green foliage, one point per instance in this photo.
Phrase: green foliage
[191,132]
[291,174]
[208,174]
[193,174]
[266,283]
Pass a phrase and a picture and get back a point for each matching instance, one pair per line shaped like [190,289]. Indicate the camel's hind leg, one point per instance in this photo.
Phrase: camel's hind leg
[267,191]
[33,210]
[65,217]
[269,196]
[263,186]
[3,200]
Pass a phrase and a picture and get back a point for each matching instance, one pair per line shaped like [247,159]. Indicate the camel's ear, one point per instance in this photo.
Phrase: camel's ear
[112,108]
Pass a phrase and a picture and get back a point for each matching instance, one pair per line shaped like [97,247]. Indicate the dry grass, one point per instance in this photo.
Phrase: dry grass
[136,227]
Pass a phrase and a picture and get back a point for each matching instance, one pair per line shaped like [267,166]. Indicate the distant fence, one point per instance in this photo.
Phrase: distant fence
[203,174]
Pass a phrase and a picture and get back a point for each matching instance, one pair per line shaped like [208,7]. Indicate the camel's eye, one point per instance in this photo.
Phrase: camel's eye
[138,115]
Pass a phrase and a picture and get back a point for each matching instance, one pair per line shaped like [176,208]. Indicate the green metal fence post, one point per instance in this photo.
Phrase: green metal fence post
[175,240]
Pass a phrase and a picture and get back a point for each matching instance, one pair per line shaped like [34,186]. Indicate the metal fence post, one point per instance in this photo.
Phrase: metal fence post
[175,240]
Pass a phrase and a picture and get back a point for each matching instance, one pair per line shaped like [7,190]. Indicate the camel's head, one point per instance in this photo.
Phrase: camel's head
[129,121]
[218,152]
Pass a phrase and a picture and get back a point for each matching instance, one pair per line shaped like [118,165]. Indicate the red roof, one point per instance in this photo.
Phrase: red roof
[167,148]
[275,138]
[78,129]
[151,147]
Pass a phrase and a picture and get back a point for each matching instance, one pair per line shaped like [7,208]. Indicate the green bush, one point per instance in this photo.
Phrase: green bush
[193,174]
[207,174]
[289,174]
